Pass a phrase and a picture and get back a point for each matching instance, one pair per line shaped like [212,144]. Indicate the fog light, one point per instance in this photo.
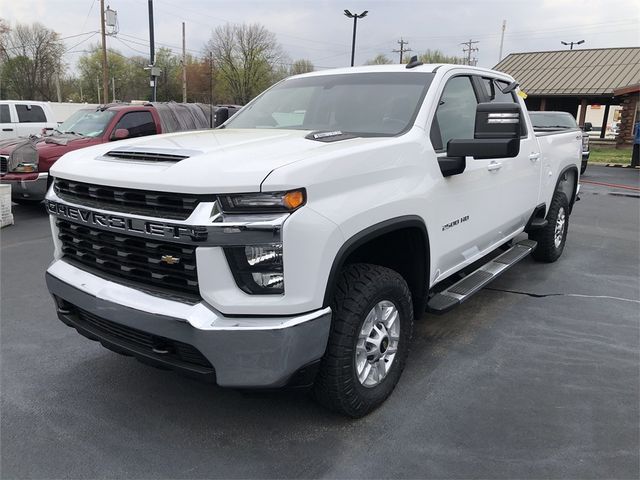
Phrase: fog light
[269,280]
[264,255]
[257,269]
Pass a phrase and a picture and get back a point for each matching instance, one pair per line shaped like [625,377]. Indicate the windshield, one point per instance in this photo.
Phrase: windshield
[552,120]
[90,123]
[365,104]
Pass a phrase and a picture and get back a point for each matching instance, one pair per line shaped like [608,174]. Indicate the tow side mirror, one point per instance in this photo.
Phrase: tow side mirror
[496,135]
[221,115]
[587,127]
[120,134]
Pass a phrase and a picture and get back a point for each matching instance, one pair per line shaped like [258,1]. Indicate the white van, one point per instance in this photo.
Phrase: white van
[21,118]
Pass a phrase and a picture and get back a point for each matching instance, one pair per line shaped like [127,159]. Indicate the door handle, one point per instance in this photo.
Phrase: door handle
[534,157]
[7,129]
[494,166]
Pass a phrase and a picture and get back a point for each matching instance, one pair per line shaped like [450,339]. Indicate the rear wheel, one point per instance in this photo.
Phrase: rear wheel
[552,238]
[369,340]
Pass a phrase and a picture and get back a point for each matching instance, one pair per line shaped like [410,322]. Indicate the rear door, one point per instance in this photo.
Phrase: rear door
[519,176]
[31,119]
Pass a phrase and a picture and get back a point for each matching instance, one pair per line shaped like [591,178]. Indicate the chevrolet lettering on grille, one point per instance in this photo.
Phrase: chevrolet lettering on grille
[133,226]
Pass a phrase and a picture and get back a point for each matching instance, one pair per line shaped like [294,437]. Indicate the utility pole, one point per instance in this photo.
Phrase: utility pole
[210,89]
[469,51]
[105,71]
[504,27]
[571,44]
[402,50]
[184,67]
[152,54]
[113,88]
[355,17]
[98,84]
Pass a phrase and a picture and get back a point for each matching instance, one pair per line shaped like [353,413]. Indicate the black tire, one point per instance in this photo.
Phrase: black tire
[360,288]
[548,250]
[583,168]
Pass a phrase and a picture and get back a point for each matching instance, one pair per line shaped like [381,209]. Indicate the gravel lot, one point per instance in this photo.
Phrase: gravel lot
[538,382]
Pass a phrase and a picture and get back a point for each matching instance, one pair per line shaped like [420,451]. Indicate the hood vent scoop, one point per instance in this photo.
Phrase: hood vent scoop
[142,156]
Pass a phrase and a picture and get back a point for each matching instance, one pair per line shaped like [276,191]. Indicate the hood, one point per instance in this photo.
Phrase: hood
[217,161]
[50,146]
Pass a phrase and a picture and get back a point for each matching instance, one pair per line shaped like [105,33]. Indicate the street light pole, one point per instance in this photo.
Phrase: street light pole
[355,17]
[571,44]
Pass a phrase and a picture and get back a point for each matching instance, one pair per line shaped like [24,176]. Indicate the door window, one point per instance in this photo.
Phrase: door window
[139,124]
[30,114]
[5,116]
[456,113]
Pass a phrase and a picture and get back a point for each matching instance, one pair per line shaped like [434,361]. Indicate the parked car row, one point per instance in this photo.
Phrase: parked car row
[26,158]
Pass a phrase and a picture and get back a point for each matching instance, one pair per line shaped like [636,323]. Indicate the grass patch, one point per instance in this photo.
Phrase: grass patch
[610,155]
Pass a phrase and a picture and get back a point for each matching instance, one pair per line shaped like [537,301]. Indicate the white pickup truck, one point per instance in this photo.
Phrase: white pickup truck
[297,243]
[19,118]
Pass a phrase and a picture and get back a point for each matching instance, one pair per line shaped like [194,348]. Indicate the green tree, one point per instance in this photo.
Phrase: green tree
[436,56]
[128,75]
[380,59]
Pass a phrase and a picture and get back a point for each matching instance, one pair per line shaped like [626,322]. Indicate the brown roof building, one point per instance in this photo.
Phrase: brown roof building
[566,79]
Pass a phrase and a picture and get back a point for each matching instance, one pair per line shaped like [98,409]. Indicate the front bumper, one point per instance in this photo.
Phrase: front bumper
[243,352]
[27,186]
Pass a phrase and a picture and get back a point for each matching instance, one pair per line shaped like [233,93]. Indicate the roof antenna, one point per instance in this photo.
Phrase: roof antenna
[413,62]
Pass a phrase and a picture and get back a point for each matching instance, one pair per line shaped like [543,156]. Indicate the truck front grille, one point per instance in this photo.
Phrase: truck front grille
[175,206]
[159,265]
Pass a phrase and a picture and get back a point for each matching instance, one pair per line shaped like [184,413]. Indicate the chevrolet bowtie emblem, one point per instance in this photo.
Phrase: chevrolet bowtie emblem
[169,259]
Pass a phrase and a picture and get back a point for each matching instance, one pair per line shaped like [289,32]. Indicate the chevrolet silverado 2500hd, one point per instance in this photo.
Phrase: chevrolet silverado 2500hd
[298,242]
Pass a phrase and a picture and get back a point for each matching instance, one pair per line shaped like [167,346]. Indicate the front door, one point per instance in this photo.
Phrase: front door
[475,211]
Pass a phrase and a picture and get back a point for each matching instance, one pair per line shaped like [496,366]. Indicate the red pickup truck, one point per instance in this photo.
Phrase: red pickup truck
[25,162]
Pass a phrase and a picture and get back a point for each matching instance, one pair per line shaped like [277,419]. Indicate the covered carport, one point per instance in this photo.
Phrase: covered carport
[570,80]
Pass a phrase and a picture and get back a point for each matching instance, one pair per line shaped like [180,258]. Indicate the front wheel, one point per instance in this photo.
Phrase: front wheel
[552,238]
[369,340]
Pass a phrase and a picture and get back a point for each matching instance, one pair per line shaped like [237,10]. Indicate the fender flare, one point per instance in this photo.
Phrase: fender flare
[368,234]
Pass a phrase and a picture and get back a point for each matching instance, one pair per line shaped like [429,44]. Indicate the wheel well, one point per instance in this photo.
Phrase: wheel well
[404,250]
[567,184]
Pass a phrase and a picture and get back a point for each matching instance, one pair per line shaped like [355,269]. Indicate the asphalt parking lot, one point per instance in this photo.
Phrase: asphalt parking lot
[536,376]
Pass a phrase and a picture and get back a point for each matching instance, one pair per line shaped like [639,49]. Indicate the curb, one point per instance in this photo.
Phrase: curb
[620,165]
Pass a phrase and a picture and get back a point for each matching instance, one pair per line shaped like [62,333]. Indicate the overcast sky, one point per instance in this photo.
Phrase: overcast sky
[317,29]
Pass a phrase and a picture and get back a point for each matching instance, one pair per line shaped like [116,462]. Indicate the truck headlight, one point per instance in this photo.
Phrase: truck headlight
[257,269]
[264,202]
[24,159]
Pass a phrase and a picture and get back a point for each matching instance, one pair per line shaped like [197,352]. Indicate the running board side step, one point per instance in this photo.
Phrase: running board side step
[459,292]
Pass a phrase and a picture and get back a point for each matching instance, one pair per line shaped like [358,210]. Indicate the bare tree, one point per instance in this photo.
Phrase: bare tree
[245,56]
[380,59]
[301,66]
[33,61]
